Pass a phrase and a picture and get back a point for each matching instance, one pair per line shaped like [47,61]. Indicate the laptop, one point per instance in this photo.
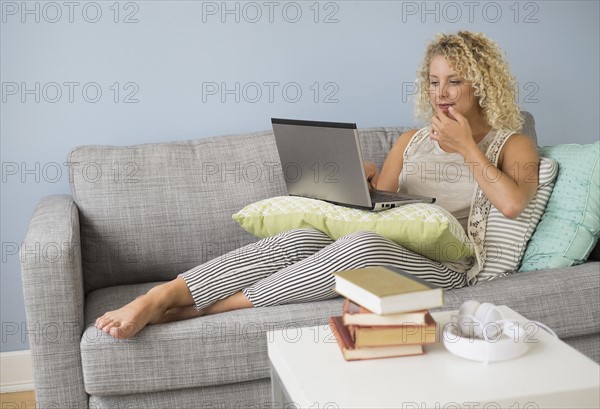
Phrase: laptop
[323,160]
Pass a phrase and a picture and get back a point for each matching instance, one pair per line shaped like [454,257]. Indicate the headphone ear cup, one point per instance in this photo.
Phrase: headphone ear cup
[466,314]
[487,314]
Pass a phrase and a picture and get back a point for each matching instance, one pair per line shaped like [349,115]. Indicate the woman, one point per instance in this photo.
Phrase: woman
[468,96]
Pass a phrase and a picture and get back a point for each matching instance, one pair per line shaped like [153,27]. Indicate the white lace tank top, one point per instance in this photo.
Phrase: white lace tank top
[428,170]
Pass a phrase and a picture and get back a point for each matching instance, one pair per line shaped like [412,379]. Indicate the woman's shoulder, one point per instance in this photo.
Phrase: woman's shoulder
[519,140]
[519,146]
[405,137]
[520,136]
[409,134]
[403,141]
[412,138]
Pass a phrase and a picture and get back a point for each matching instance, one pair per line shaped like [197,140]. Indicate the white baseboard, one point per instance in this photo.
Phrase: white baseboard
[16,373]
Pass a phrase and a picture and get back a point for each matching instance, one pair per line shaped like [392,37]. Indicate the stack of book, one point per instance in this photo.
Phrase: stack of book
[386,313]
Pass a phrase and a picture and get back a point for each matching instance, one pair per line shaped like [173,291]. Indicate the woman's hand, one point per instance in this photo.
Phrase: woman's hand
[372,174]
[512,183]
[452,131]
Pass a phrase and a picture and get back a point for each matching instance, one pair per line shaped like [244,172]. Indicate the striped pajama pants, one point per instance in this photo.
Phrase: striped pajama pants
[297,265]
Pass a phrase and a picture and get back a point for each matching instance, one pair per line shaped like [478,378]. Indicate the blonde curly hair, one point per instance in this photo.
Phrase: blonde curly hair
[480,61]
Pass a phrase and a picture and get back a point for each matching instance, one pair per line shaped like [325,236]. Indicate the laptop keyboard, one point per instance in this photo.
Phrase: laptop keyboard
[380,196]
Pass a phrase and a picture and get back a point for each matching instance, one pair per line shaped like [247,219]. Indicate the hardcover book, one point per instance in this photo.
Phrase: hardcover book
[354,314]
[387,290]
[351,353]
[364,336]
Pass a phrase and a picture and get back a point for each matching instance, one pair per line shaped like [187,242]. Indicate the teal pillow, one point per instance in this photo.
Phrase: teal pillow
[570,226]
[425,229]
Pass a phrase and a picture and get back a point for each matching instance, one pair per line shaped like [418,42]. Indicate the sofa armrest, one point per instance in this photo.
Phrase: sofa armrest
[54,302]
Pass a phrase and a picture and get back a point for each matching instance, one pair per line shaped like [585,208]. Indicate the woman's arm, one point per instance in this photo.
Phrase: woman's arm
[390,172]
[512,184]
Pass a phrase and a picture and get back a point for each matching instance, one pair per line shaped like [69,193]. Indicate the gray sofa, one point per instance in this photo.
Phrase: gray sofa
[139,215]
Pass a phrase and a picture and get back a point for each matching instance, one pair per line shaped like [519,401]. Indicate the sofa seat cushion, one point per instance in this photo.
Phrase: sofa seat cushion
[565,299]
[253,394]
[232,347]
[206,351]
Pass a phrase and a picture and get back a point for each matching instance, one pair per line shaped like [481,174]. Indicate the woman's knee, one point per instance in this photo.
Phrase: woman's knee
[302,242]
[302,234]
[363,236]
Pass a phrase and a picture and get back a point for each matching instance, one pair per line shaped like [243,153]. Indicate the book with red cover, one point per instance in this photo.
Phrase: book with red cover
[354,314]
[351,353]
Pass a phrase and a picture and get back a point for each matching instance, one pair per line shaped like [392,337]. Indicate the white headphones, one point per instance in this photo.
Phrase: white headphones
[482,333]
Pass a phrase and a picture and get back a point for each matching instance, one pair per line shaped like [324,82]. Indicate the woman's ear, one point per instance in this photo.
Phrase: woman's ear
[479,104]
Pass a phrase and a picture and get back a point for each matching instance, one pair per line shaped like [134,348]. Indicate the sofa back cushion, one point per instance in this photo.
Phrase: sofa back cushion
[149,212]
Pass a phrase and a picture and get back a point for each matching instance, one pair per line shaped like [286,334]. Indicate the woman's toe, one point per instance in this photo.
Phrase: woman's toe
[103,321]
[121,331]
[113,324]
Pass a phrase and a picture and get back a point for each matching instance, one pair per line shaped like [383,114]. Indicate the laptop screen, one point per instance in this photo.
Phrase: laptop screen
[322,160]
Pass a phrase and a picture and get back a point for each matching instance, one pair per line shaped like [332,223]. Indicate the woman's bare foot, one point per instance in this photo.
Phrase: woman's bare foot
[164,303]
[146,309]
[131,318]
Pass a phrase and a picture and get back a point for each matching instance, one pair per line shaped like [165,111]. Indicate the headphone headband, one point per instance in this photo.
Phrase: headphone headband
[480,333]
[508,346]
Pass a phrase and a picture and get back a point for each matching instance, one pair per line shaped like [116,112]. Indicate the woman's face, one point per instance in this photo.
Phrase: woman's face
[447,88]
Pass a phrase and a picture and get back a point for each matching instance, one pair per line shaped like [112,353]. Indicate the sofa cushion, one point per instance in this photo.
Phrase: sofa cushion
[242,395]
[206,351]
[424,228]
[505,239]
[529,126]
[149,212]
[570,226]
[232,347]
[562,298]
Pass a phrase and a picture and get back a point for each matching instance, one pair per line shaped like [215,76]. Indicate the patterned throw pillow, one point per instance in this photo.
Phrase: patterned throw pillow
[570,226]
[425,229]
[506,239]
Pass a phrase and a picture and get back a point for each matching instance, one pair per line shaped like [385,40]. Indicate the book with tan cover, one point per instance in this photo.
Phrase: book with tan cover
[387,290]
[351,353]
[365,336]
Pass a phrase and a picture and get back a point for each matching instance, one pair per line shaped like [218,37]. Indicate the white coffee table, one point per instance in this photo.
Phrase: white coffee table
[308,371]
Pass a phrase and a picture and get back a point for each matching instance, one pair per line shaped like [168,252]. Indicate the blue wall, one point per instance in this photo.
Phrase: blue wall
[146,71]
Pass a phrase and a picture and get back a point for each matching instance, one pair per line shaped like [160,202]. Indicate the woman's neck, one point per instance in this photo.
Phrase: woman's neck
[478,135]
[479,127]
